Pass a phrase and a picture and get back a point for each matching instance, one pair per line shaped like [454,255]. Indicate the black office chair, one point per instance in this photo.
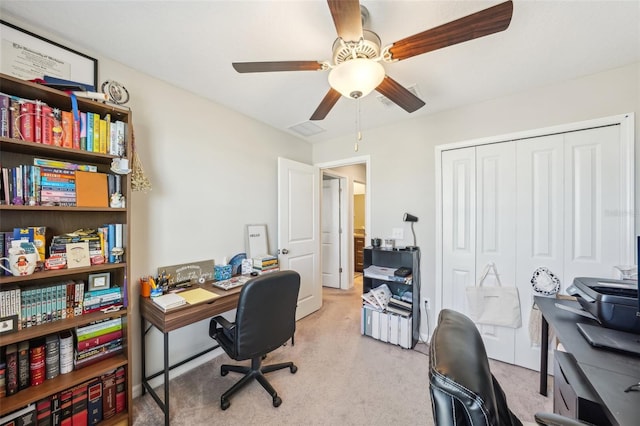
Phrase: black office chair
[265,320]
[463,390]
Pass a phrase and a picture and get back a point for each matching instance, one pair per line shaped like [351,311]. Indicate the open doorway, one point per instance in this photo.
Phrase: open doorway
[345,219]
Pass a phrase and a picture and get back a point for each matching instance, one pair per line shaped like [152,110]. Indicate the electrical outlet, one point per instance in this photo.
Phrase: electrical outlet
[397,233]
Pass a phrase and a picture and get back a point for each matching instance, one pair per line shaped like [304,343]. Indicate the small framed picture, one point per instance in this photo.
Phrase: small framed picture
[99,281]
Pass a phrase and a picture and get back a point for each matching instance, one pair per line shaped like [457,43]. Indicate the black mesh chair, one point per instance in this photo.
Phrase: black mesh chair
[265,320]
[463,390]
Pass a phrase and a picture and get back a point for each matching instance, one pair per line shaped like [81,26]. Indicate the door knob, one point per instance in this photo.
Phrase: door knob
[285,251]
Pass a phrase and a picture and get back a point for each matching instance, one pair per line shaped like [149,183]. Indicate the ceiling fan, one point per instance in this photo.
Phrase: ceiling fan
[356,69]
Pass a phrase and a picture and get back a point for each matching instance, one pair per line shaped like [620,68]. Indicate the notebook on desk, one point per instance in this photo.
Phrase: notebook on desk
[607,338]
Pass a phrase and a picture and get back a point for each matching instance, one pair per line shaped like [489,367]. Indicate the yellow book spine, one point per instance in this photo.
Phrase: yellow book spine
[96,133]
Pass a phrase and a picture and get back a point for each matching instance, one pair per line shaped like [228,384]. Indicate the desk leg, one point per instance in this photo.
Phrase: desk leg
[166,379]
[143,356]
[544,356]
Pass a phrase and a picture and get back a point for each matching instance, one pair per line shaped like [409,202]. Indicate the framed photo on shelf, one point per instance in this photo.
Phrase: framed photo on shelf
[26,55]
[99,281]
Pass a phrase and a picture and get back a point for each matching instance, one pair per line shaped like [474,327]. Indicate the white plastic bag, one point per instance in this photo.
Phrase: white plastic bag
[494,305]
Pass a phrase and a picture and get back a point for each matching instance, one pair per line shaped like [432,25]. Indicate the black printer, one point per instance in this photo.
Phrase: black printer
[613,302]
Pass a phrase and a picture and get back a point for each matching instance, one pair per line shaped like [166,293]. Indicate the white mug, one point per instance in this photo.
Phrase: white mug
[22,260]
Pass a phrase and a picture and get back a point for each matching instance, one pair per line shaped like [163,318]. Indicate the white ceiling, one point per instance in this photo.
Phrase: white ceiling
[191,44]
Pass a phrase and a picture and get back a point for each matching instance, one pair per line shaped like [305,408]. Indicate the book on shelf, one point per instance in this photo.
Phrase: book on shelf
[52,356]
[23,416]
[43,412]
[94,401]
[3,375]
[23,365]
[108,394]
[37,359]
[11,375]
[121,390]
[107,347]
[386,274]
[79,405]
[99,340]
[66,407]
[398,311]
[4,115]
[66,352]
[394,301]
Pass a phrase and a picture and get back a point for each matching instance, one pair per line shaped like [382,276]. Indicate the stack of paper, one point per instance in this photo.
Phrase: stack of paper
[168,301]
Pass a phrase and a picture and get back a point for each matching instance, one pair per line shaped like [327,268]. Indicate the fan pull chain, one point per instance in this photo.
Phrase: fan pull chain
[358,132]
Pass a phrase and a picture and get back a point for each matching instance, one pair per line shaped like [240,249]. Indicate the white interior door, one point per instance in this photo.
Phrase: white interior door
[299,229]
[331,247]
[495,217]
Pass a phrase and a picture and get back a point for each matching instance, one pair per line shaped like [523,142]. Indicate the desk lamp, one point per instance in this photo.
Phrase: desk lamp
[411,218]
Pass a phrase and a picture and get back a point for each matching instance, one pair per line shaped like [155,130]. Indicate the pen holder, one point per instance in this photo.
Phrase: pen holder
[222,272]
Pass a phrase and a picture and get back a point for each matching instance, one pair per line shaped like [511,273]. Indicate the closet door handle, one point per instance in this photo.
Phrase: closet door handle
[285,251]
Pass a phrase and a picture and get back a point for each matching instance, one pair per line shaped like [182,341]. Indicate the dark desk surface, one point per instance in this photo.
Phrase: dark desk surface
[608,372]
[189,314]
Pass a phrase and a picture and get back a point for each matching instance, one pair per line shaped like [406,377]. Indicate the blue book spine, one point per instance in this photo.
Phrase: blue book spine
[90,131]
[111,241]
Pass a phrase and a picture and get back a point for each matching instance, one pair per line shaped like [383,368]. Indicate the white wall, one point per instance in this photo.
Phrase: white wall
[402,170]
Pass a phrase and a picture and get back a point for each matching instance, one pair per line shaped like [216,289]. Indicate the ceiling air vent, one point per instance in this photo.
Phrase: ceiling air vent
[389,103]
[307,128]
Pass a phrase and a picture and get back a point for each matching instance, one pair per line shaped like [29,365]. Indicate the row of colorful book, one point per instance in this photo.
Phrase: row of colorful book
[88,403]
[44,304]
[30,363]
[46,184]
[102,244]
[34,121]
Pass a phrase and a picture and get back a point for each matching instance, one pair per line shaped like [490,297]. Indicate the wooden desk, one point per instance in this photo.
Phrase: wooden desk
[172,320]
[607,372]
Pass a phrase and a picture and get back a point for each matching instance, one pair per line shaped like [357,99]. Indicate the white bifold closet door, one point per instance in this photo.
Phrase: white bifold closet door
[546,201]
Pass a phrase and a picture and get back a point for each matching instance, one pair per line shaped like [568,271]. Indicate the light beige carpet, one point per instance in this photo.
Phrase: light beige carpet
[343,378]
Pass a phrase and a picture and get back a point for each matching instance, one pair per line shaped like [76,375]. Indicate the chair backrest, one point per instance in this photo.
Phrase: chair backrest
[266,315]
[463,390]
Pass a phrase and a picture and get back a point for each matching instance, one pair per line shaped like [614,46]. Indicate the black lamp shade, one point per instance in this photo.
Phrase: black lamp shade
[409,218]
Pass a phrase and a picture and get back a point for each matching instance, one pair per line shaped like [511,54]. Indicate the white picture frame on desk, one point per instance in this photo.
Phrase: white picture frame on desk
[257,240]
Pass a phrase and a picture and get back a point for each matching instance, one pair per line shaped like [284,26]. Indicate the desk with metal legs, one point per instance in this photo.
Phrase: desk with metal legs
[608,373]
[152,315]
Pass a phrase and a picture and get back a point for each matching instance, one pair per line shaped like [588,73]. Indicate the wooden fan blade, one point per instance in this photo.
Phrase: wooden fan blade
[347,19]
[399,95]
[479,24]
[325,106]
[243,67]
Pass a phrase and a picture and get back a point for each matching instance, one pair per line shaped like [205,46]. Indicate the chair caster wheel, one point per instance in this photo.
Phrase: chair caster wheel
[293,369]
[223,372]
[224,404]
[277,401]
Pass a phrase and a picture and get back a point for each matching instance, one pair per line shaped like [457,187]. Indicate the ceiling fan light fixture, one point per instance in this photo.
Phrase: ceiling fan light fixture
[357,77]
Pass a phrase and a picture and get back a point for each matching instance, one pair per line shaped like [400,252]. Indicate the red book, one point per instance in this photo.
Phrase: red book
[79,405]
[27,121]
[76,134]
[67,129]
[43,412]
[66,407]
[99,340]
[109,395]
[37,361]
[47,125]
[121,390]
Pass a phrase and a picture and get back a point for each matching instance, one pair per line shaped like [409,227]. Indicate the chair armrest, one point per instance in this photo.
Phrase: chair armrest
[551,419]
[221,321]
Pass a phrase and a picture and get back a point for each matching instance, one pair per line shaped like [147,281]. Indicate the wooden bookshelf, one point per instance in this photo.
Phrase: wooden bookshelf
[61,220]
